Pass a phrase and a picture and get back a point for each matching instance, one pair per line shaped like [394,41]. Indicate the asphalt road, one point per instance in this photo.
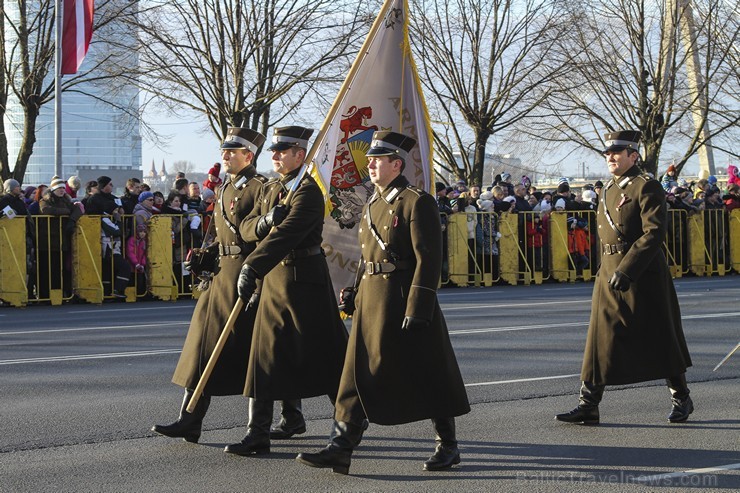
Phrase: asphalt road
[81,386]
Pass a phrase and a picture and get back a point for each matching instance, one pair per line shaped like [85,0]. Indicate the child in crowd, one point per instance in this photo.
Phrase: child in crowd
[136,256]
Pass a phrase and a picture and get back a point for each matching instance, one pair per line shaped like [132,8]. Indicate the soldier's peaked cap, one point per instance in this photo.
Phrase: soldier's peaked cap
[387,143]
[286,137]
[621,140]
[243,138]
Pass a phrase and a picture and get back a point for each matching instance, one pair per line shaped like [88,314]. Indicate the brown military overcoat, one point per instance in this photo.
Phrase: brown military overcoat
[402,375]
[299,338]
[635,335]
[235,200]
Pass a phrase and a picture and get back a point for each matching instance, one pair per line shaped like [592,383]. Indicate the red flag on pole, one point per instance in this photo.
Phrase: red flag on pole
[76,33]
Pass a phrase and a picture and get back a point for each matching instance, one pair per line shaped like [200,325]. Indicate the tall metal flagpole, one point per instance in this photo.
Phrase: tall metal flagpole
[58,90]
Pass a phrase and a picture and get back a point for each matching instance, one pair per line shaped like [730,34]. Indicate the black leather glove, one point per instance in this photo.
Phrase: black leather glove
[347,300]
[619,281]
[413,323]
[273,218]
[247,284]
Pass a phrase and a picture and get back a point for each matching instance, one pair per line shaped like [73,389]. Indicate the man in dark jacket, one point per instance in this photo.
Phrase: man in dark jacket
[400,366]
[635,332]
[299,338]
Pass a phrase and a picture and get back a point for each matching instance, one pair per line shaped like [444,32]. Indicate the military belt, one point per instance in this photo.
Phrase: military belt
[225,250]
[620,247]
[376,268]
[304,252]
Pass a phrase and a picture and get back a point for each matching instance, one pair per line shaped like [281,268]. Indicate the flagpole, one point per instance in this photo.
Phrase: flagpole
[347,80]
[58,90]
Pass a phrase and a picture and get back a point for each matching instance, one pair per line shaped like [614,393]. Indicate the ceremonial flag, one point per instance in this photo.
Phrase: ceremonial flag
[382,92]
[76,33]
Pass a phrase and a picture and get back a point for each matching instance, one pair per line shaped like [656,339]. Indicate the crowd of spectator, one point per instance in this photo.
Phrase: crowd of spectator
[507,196]
[124,224]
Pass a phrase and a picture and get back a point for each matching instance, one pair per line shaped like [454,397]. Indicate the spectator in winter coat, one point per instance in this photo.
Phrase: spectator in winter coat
[732,199]
[144,210]
[136,248]
[212,182]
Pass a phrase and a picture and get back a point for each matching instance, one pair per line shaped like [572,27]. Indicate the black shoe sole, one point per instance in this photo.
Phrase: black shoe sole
[337,469]
[188,437]
[455,461]
[247,453]
[282,435]
[585,422]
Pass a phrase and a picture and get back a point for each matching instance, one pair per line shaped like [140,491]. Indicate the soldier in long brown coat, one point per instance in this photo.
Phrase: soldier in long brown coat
[400,366]
[235,200]
[299,338]
[635,331]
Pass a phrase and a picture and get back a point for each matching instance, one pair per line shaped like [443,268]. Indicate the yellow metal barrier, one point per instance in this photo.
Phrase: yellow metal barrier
[509,249]
[562,269]
[53,262]
[13,287]
[87,260]
[734,239]
[162,282]
[675,245]
[707,243]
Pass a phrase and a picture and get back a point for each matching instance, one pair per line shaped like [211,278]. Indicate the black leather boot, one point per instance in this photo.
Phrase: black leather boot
[257,440]
[446,454]
[291,421]
[587,412]
[682,403]
[337,455]
[188,425]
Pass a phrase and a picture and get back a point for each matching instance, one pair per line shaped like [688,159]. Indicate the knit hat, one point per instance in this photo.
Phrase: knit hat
[74,182]
[485,205]
[10,184]
[505,176]
[487,195]
[562,179]
[56,182]
[712,180]
[560,203]
[588,195]
[103,181]
[439,186]
[145,195]
[207,193]
[215,169]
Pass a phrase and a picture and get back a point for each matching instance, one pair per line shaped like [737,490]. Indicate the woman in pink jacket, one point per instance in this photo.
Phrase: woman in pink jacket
[136,256]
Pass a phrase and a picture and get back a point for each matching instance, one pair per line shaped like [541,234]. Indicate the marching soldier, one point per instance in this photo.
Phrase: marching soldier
[299,338]
[400,366]
[236,199]
[635,332]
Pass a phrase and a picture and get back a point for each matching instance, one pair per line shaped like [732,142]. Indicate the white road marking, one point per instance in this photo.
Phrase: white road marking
[109,310]
[520,380]
[106,327]
[511,329]
[516,305]
[690,472]
[79,357]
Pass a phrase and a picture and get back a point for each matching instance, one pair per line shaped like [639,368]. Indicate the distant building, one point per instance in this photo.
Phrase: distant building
[492,165]
[97,138]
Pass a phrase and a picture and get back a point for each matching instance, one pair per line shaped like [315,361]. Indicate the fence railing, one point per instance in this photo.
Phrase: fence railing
[49,259]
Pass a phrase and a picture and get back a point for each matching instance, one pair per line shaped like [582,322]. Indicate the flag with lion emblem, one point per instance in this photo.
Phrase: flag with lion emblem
[381,92]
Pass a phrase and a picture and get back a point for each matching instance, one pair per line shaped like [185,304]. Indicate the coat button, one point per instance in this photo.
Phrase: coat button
[386,276]
[360,230]
[385,260]
[364,276]
[385,228]
[362,246]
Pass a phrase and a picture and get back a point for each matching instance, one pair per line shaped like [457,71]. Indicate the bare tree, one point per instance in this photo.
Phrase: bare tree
[628,63]
[27,48]
[239,62]
[487,66]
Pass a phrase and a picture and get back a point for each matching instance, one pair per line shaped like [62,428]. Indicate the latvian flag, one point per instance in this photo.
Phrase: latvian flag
[76,34]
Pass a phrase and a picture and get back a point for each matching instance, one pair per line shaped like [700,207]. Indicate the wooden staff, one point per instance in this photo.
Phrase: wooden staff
[229,327]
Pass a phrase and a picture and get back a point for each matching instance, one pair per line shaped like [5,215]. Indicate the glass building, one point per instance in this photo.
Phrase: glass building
[100,127]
